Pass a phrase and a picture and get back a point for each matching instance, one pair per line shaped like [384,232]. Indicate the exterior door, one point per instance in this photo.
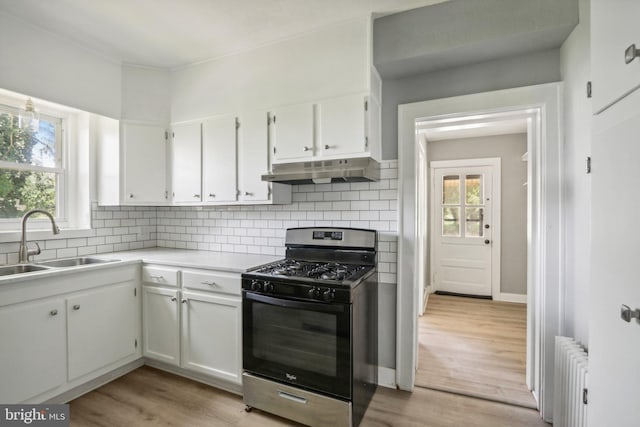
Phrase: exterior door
[462,228]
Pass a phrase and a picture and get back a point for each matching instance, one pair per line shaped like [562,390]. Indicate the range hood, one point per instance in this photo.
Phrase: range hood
[361,169]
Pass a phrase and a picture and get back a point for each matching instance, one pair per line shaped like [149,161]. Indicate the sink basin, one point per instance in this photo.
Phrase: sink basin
[74,262]
[20,268]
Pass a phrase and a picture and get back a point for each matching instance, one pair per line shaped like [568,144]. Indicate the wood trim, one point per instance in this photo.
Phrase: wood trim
[508,297]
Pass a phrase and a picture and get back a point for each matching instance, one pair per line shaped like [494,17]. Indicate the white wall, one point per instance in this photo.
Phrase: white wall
[575,70]
[42,65]
[513,239]
[146,94]
[321,64]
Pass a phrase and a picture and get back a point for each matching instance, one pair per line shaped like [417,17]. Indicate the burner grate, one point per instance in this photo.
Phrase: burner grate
[315,270]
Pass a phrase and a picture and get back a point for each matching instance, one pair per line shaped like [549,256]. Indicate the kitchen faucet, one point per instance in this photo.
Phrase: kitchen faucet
[24,253]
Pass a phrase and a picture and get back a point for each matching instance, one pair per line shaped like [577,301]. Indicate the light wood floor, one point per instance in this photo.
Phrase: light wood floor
[474,347]
[149,397]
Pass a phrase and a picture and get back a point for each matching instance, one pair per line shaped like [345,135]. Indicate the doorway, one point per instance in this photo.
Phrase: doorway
[544,250]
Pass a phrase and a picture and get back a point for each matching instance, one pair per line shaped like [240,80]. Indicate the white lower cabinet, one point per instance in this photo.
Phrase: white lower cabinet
[101,327]
[33,359]
[59,332]
[197,325]
[212,335]
[161,324]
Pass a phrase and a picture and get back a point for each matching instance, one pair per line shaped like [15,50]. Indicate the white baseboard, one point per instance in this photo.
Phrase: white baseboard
[505,297]
[386,377]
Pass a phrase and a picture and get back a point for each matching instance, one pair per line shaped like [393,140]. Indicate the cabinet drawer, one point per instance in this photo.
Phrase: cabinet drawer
[216,281]
[160,275]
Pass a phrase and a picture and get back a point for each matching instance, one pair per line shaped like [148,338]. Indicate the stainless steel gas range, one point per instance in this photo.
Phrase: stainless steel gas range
[310,346]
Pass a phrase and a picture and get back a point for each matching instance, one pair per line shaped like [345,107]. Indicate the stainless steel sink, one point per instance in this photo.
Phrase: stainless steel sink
[74,262]
[20,268]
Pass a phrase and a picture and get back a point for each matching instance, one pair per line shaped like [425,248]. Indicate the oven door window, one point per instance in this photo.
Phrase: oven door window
[306,344]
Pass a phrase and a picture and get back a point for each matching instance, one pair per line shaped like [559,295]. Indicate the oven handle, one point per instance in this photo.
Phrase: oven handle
[287,303]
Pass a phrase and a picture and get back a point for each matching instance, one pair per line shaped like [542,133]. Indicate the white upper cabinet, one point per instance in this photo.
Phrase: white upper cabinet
[346,126]
[343,126]
[219,142]
[131,162]
[614,29]
[186,156]
[253,156]
[293,132]
[144,159]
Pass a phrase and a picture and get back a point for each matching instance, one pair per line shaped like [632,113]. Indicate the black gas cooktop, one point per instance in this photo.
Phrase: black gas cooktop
[293,268]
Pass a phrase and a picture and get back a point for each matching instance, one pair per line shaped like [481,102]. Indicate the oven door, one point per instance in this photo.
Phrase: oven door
[305,344]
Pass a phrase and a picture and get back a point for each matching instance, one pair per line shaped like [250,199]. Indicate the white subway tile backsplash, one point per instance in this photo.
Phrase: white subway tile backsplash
[249,229]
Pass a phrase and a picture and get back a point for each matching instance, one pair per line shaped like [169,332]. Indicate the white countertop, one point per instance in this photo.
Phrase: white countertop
[224,261]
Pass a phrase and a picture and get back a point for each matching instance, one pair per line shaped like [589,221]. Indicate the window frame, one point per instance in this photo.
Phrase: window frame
[73,192]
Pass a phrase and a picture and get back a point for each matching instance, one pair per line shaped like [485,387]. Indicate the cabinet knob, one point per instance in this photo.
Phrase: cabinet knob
[327,146]
[306,148]
[76,307]
[184,301]
[246,193]
[173,299]
[130,196]
[631,53]
[161,277]
[197,196]
[53,312]
[212,195]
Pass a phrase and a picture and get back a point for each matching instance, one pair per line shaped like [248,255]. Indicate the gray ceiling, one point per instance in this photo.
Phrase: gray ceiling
[461,32]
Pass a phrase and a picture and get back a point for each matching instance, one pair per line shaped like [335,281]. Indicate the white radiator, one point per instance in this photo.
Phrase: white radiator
[570,384]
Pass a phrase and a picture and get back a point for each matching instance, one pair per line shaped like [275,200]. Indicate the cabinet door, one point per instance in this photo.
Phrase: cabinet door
[219,159]
[253,156]
[144,161]
[293,133]
[342,126]
[161,324]
[614,344]
[212,335]
[614,28]
[33,357]
[101,327]
[186,156]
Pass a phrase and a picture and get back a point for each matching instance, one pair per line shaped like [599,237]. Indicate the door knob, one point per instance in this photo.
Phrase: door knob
[487,241]
[486,226]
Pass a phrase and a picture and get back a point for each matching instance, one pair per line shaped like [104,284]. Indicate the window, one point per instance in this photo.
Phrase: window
[32,173]
[470,206]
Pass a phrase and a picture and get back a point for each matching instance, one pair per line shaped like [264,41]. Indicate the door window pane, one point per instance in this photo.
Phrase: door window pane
[451,221]
[473,189]
[474,221]
[451,190]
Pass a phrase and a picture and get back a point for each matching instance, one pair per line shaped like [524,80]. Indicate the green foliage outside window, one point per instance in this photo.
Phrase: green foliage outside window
[21,190]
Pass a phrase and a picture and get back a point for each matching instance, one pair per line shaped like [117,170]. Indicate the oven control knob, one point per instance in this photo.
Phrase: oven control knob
[328,295]
[256,285]
[268,287]
[314,293]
